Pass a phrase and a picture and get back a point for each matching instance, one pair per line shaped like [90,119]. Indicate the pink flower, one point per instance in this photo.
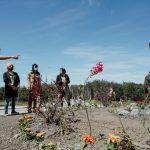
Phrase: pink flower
[97,69]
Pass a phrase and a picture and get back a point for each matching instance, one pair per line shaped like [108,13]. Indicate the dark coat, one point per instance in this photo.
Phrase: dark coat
[63,89]
[59,79]
[147,83]
[9,92]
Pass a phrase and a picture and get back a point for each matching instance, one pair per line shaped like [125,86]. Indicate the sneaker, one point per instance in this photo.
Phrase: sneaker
[6,113]
[14,113]
[29,111]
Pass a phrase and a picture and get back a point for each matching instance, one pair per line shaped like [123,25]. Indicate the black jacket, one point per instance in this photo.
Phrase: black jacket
[147,83]
[59,79]
[9,92]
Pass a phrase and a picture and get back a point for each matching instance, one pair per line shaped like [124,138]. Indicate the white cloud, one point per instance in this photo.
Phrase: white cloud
[94,52]
[112,27]
[93,2]
[119,65]
[63,18]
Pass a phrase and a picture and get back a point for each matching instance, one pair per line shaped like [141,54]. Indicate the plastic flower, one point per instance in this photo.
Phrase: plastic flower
[40,134]
[88,138]
[97,68]
[114,138]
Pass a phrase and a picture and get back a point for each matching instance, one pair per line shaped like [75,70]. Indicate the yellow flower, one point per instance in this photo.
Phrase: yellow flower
[114,138]
[28,129]
[29,119]
[40,134]
[21,118]
[51,145]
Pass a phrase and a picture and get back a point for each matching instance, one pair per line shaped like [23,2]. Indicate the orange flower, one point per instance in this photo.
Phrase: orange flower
[114,138]
[28,129]
[40,134]
[88,138]
[21,118]
[28,117]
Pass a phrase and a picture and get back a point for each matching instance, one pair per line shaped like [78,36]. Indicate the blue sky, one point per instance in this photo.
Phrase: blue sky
[76,34]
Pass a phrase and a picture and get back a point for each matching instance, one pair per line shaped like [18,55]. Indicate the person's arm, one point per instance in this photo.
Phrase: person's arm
[40,82]
[17,82]
[57,79]
[28,81]
[18,79]
[5,78]
[147,81]
[68,79]
[8,57]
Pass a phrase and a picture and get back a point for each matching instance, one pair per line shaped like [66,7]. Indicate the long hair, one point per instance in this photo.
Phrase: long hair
[35,65]
[63,70]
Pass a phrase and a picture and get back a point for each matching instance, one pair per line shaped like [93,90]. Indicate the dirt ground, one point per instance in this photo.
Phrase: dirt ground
[102,122]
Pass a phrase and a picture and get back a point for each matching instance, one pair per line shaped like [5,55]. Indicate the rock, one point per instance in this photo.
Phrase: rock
[148,112]
[134,107]
[79,146]
[123,112]
[135,113]
[16,136]
[100,106]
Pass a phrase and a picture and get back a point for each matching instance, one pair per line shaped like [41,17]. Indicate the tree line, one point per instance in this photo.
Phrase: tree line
[97,90]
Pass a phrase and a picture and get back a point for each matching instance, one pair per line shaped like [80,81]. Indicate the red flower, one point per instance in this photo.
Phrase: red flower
[97,69]
[88,138]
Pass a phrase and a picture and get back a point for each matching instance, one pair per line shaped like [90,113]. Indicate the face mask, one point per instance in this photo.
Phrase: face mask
[35,68]
[11,68]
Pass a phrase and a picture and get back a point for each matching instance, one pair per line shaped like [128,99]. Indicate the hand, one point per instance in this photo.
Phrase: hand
[16,57]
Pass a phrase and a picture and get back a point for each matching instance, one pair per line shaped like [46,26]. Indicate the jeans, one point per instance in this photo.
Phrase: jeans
[68,95]
[13,103]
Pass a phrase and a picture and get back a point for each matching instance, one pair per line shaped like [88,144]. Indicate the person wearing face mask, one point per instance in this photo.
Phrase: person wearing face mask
[12,82]
[34,88]
[62,82]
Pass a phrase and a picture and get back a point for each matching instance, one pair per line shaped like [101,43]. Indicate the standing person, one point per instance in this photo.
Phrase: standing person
[8,57]
[34,87]
[147,84]
[12,82]
[62,82]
